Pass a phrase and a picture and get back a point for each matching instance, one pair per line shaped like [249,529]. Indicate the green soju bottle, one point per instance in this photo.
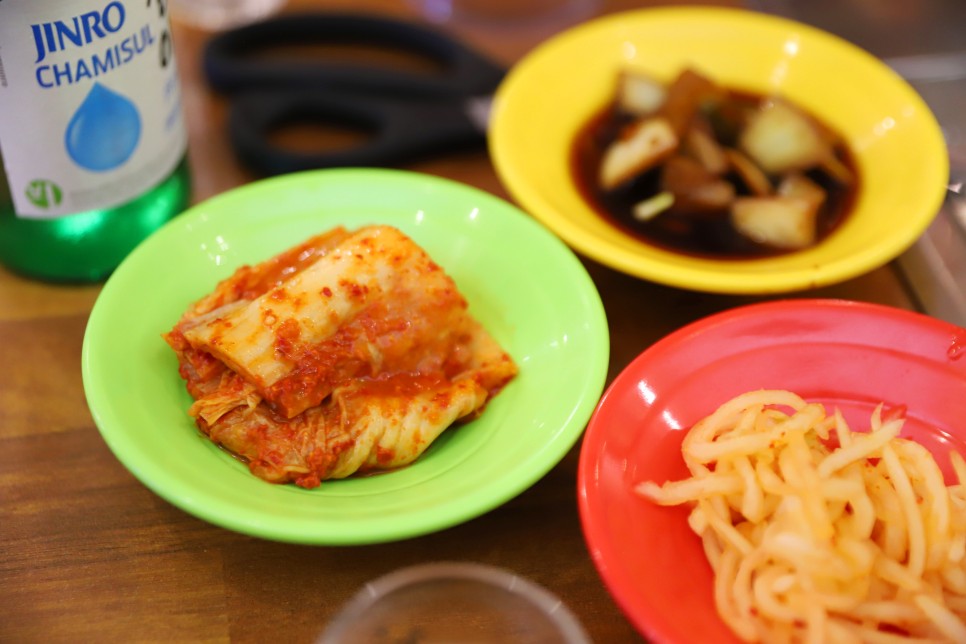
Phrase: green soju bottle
[92,135]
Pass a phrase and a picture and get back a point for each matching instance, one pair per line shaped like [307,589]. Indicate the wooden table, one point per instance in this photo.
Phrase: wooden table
[88,554]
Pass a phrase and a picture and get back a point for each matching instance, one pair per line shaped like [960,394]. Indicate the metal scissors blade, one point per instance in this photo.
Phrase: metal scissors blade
[407,114]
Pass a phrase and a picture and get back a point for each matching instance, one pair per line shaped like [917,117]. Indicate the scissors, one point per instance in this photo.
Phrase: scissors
[408,114]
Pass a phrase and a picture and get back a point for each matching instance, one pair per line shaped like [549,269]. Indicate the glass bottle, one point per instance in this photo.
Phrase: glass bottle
[92,135]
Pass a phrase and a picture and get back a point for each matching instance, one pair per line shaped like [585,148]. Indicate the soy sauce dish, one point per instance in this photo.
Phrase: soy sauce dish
[886,141]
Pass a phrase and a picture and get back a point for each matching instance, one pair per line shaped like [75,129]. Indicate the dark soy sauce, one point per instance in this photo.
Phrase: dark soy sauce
[709,235]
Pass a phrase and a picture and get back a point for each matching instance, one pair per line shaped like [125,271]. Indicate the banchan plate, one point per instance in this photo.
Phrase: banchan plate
[522,283]
[844,354]
[555,91]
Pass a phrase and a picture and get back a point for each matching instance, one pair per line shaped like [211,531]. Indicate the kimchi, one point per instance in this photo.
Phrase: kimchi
[350,352]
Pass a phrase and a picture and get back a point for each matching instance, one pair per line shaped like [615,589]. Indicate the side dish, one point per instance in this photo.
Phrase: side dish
[700,168]
[351,352]
[817,533]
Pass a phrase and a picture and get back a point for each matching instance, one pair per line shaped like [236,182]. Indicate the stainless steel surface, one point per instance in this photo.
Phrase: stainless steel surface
[935,266]
[923,40]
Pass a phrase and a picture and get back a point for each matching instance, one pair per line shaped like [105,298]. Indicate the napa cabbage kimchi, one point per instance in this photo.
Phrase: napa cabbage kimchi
[349,353]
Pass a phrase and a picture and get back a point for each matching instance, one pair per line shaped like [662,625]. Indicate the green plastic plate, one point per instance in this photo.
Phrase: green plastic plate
[522,283]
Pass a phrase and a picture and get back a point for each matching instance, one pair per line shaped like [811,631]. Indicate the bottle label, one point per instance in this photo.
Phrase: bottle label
[91,104]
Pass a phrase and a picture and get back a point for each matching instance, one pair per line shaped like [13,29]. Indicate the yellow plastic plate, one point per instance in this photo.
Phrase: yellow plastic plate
[554,91]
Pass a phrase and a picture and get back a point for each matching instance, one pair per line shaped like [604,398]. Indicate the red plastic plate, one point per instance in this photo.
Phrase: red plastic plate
[846,354]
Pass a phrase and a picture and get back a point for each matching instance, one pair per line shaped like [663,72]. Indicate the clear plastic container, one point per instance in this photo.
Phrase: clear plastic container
[453,602]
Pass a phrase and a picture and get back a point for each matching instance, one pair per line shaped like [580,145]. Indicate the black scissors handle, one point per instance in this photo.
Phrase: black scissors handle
[408,114]
[396,131]
[232,63]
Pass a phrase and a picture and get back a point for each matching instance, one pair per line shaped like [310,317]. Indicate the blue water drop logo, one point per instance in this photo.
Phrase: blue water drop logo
[104,131]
